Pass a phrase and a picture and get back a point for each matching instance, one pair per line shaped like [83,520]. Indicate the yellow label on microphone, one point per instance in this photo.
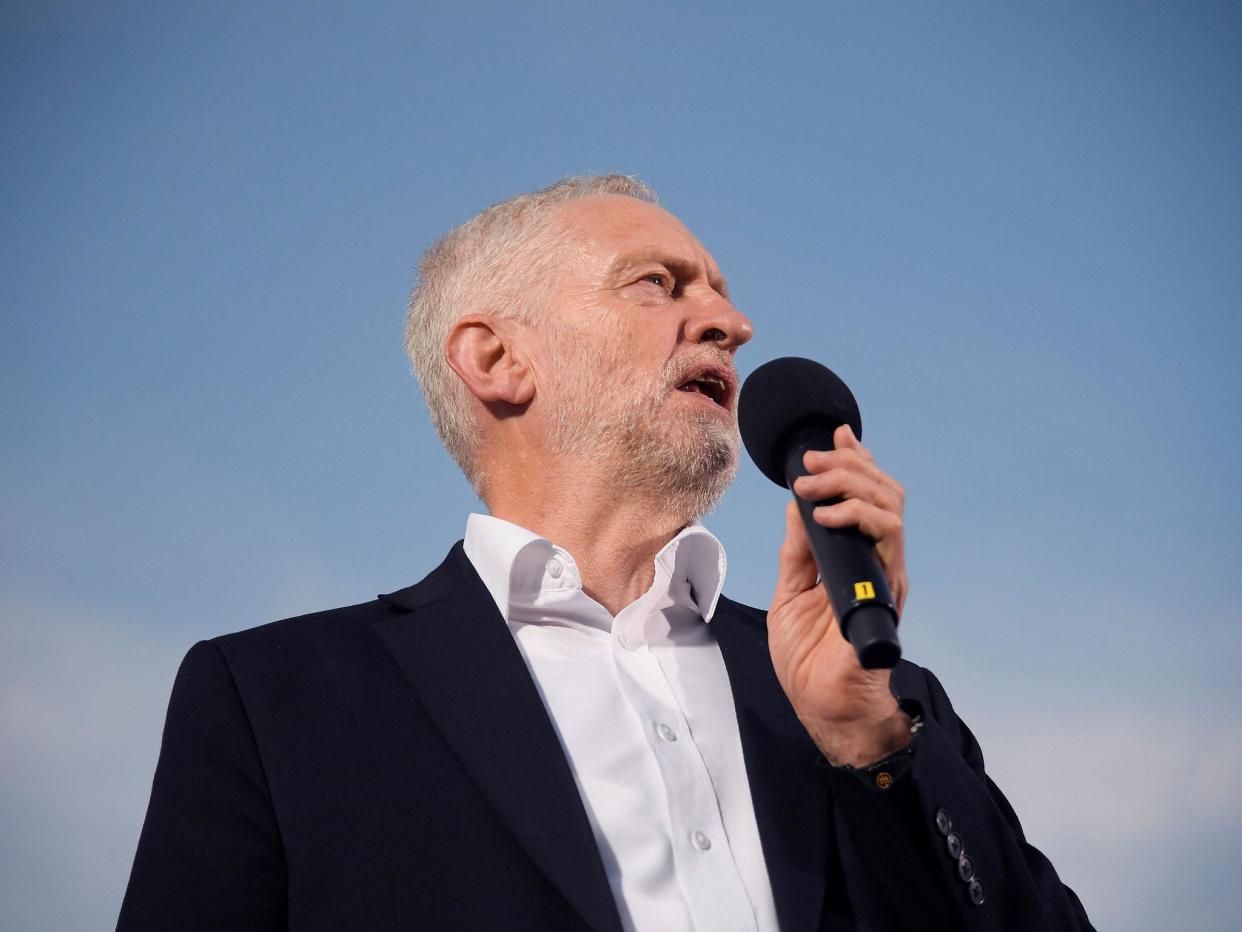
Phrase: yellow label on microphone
[864,590]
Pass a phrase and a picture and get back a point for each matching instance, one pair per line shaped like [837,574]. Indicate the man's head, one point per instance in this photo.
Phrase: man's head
[581,323]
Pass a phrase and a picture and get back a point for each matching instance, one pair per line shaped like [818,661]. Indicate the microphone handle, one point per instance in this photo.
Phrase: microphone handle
[850,571]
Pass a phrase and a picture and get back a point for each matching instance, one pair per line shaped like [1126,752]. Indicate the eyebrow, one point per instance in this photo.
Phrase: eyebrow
[680,266]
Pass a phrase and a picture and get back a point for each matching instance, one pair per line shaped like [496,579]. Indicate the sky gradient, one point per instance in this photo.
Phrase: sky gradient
[1014,229]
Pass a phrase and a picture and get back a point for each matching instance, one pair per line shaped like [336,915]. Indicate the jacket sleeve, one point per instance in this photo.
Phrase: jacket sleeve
[210,853]
[943,843]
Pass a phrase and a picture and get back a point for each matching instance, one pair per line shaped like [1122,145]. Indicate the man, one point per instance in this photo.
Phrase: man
[566,725]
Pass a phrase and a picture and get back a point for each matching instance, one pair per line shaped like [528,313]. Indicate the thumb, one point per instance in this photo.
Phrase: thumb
[797,571]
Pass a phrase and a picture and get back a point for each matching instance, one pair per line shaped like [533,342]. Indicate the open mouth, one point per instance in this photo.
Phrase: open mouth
[712,383]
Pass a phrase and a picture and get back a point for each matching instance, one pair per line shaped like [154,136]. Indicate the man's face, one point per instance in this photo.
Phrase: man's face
[639,337]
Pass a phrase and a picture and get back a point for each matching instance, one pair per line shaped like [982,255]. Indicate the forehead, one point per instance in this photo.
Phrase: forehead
[608,227]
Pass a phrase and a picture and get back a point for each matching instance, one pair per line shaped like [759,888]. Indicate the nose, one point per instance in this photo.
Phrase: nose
[718,321]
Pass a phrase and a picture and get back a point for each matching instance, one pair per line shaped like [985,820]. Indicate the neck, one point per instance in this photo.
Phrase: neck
[613,534]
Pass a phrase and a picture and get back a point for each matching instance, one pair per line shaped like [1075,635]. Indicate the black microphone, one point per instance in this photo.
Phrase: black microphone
[786,407]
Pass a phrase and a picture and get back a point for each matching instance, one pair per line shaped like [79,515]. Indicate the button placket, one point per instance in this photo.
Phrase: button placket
[633,654]
[700,844]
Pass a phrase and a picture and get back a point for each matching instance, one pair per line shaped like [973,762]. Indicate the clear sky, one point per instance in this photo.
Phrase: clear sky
[1014,229]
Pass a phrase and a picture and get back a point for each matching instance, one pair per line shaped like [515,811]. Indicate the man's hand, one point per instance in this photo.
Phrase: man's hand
[850,713]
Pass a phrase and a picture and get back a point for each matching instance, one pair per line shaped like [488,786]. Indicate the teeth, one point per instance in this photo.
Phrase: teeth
[715,383]
[713,386]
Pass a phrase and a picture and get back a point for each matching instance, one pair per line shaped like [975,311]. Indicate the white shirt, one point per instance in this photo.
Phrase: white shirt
[642,706]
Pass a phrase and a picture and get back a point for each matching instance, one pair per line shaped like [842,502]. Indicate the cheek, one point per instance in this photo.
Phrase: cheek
[652,337]
[631,350]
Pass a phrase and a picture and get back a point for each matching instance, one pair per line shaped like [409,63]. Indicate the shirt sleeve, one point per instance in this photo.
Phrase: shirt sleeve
[887,772]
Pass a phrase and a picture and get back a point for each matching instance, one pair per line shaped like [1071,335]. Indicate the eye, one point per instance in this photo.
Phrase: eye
[659,279]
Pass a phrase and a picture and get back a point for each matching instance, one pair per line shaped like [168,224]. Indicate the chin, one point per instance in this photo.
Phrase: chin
[689,470]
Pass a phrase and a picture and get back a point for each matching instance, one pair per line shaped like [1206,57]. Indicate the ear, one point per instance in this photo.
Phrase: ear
[486,357]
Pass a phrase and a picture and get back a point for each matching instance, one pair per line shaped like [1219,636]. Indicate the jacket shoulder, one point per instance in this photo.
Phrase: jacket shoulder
[337,644]
[328,625]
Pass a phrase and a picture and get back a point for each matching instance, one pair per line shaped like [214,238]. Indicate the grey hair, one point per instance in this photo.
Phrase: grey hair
[491,263]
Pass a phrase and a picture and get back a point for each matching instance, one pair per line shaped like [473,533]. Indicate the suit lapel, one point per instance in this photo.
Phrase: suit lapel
[788,787]
[456,651]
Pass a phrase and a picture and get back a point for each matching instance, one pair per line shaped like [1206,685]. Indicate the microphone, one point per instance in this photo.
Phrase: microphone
[786,407]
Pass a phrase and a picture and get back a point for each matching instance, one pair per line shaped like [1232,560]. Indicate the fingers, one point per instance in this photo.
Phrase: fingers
[843,438]
[869,499]
[841,482]
[851,454]
[884,527]
[848,471]
[880,524]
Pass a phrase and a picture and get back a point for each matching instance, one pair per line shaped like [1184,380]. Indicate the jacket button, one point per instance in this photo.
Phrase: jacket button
[975,891]
[953,841]
[943,823]
[966,868]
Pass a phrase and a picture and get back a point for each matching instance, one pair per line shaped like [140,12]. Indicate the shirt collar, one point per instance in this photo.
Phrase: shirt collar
[509,558]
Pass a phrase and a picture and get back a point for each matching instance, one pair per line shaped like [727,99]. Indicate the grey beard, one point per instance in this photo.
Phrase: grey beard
[685,475]
[688,477]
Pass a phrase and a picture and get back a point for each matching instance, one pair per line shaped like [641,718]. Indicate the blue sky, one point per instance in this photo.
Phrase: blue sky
[1014,229]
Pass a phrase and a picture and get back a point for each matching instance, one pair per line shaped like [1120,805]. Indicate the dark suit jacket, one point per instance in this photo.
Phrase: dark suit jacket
[391,766]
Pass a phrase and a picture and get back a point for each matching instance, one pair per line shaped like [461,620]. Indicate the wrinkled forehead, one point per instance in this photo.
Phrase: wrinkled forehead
[604,228]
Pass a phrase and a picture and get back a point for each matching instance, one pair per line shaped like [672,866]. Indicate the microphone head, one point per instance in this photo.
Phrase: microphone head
[784,397]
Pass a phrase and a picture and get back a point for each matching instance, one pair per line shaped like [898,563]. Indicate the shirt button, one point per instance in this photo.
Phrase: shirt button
[701,841]
[555,568]
[667,733]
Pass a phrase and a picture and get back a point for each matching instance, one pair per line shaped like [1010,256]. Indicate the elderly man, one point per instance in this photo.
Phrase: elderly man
[566,725]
